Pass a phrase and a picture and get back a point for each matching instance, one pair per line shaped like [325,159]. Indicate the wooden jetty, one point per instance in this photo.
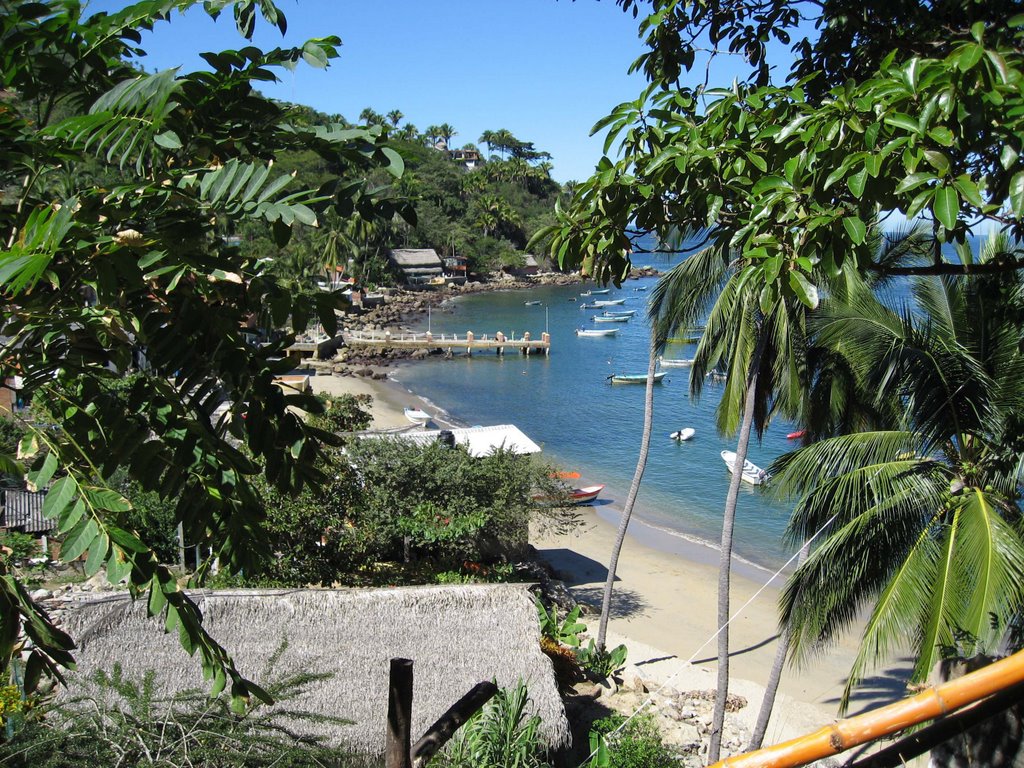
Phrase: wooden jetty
[449,342]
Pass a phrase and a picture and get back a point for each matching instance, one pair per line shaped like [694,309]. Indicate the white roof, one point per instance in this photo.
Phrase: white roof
[479,441]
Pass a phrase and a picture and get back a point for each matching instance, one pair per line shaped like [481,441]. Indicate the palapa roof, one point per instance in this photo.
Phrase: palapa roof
[456,636]
[408,258]
[479,441]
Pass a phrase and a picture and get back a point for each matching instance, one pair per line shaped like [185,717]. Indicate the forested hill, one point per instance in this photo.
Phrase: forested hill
[478,205]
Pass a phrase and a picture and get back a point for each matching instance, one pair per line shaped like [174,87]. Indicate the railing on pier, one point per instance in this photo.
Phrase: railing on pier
[449,341]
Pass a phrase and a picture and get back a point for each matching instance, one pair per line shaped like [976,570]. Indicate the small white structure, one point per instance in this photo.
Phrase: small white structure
[479,441]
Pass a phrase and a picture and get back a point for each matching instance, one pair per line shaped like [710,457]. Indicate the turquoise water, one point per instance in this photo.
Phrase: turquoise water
[565,403]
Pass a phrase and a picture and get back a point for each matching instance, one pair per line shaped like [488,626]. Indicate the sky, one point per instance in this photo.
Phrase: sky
[546,70]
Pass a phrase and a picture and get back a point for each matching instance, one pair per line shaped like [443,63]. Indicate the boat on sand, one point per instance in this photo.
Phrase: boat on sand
[416,415]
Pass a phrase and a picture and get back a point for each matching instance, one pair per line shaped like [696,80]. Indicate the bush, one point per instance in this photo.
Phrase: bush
[117,721]
[501,735]
[22,547]
[600,663]
[637,745]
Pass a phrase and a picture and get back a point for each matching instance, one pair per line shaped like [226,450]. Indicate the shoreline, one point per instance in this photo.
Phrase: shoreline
[665,601]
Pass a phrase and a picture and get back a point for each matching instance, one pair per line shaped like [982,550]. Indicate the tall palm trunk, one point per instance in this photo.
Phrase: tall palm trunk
[634,489]
[771,687]
[725,561]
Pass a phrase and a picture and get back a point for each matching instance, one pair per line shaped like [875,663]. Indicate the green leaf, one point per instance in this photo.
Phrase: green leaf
[969,190]
[38,479]
[106,499]
[905,122]
[71,518]
[59,496]
[1007,157]
[855,228]
[804,289]
[1017,194]
[857,181]
[946,206]
[913,181]
[97,554]
[168,140]
[118,568]
[79,540]
[396,165]
[157,598]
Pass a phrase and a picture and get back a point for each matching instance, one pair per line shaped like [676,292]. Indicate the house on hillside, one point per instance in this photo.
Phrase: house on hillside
[530,266]
[468,158]
[456,635]
[22,511]
[417,266]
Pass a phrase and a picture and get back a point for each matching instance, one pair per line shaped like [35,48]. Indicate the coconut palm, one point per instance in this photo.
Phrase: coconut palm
[758,344]
[446,131]
[395,117]
[922,515]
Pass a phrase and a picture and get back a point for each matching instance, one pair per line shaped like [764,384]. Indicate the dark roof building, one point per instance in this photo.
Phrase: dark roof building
[23,511]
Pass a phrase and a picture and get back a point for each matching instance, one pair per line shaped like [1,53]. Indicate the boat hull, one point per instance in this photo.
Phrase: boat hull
[752,473]
[684,434]
[594,332]
[637,378]
[585,495]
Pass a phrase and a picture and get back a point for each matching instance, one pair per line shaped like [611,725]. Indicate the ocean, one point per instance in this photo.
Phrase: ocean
[565,403]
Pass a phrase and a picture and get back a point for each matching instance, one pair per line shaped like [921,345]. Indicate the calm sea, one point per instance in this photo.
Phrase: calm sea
[565,403]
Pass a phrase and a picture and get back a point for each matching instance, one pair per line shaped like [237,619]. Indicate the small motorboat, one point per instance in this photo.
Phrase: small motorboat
[675,362]
[640,288]
[619,313]
[416,415]
[572,298]
[601,292]
[590,306]
[684,434]
[596,331]
[796,435]
[752,473]
[614,319]
[531,303]
[586,494]
[608,302]
[635,378]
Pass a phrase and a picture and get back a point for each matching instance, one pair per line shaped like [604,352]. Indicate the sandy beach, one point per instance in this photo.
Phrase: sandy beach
[665,603]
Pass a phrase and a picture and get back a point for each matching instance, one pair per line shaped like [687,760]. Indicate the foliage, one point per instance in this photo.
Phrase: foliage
[22,546]
[922,514]
[601,663]
[123,188]
[343,413]
[500,735]
[567,631]
[117,720]
[632,743]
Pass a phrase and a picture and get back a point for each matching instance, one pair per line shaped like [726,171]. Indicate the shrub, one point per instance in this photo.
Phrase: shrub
[118,721]
[637,745]
[600,663]
[501,735]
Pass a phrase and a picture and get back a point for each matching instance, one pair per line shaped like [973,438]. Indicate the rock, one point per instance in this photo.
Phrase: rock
[632,680]
[683,735]
[607,688]
[40,594]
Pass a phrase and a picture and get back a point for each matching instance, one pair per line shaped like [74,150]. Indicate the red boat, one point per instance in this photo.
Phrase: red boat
[796,435]
[585,494]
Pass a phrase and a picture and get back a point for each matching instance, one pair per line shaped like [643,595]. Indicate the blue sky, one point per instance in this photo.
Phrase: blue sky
[547,70]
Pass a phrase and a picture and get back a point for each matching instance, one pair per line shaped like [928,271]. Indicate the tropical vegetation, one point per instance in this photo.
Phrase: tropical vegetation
[784,179]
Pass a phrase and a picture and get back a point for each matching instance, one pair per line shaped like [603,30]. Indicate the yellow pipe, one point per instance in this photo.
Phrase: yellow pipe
[887,720]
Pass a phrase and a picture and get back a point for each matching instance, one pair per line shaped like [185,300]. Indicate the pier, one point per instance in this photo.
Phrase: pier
[449,342]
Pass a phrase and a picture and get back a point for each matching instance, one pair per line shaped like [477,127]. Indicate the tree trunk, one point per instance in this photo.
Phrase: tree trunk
[772,686]
[725,560]
[627,509]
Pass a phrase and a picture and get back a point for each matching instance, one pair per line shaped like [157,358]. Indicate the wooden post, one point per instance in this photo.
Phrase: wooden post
[398,736]
[440,732]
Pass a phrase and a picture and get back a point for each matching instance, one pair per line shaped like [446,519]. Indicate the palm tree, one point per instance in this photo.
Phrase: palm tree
[370,117]
[922,515]
[758,345]
[395,117]
[446,131]
[487,137]
[627,509]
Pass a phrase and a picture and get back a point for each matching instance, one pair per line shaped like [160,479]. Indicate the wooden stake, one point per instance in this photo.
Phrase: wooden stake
[398,736]
[440,732]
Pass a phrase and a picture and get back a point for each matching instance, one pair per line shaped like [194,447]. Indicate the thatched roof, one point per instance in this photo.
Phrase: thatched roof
[456,635]
[408,258]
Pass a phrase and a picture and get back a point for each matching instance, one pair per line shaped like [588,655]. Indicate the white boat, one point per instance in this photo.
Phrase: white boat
[531,303]
[684,434]
[608,302]
[619,313]
[675,362]
[416,415]
[614,319]
[641,288]
[635,378]
[596,331]
[752,473]
[585,495]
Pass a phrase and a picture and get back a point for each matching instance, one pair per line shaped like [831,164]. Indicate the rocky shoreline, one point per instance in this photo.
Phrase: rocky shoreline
[399,306]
